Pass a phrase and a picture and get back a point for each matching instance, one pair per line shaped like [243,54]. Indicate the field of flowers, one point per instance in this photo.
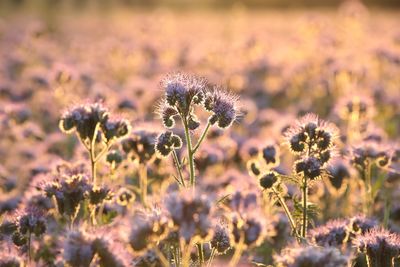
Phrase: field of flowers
[231,138]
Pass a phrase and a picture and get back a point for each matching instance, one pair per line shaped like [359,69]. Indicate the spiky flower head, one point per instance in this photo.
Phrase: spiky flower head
[167,142]
[221,241]
[269,179]
[78,249]
[182,91]
[380,246]
[311,135]
[83,119]
[223,105]
[99,194]
[69,191]
[90,119]
[313,140]
[333,233]
[311,256]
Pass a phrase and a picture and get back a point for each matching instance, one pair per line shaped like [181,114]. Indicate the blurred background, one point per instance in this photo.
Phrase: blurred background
[256,4]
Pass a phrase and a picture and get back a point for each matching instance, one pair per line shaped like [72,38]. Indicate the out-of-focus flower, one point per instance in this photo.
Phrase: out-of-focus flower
[190,214]
[310,256]
[380,246]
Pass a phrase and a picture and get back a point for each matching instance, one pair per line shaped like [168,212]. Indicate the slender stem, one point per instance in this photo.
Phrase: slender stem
[368,190]
[161,257]
[210,260]
[175,255]
[143,183]
[304,198]
[178,167]
[29,248]
[238,252]
[190,154]
[287,211]
[186,253]
[101,154]
[92,152]
[203,135]
[200,253]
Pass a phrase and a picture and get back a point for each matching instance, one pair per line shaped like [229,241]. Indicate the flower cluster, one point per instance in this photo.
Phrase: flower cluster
[380,246]
[313,140]
[310,256]
[190,214]
[31,221]
[167,142]
[70,191]
[91,120]
[223,107]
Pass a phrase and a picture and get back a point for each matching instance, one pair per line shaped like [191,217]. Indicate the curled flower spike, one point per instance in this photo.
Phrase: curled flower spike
[380,246]
[224,107]
[167,142]
[84,119]
[269,180]
[220,241]
[311,135]
[182,91]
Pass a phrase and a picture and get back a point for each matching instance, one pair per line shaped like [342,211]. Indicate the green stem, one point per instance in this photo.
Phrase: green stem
[190,154]
[203,135]
[29,248]
[92,153]
[178,167]
[200,253]
[287,211]
[304,200]
[210,260]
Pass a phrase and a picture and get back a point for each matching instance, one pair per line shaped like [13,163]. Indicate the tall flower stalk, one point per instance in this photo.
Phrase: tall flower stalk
[312,141]
[95,129]
[182,94]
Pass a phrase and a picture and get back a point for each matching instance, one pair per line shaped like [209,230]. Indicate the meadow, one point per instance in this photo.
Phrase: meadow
[200,138]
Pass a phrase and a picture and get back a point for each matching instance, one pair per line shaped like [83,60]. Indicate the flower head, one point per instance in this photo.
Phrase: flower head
[182,91]
[333,233]
[379,245]
[191,214]
[220,240]
[167,142]
[310,256]
[224,107]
